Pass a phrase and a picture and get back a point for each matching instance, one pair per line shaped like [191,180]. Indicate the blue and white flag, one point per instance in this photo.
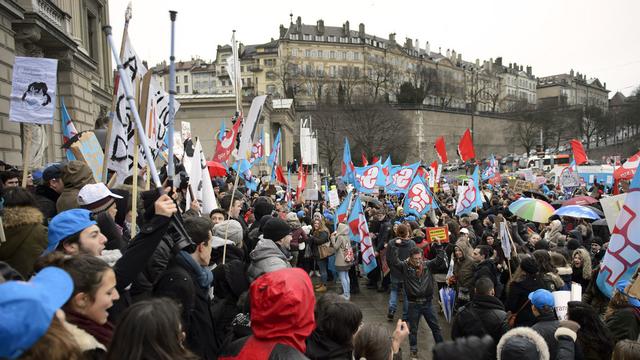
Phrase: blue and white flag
[366,178]
[273,157]
[401,177]
[623,254]
[342,210]
[359,232]
[470,198]
[418,199]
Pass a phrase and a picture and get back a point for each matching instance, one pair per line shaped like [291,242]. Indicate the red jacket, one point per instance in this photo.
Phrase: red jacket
[282,305]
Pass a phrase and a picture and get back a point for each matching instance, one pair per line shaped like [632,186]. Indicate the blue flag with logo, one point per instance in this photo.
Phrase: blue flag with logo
[418,199]
[359,233]
[623,257]
[471,197]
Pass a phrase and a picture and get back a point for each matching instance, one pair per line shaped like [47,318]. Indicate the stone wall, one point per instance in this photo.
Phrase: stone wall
[10,143]
[491,134]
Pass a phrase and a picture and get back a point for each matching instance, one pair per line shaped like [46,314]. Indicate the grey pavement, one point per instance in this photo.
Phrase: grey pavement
[374,307]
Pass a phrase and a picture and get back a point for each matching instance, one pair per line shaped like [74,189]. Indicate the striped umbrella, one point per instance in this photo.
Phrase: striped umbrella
[535,210]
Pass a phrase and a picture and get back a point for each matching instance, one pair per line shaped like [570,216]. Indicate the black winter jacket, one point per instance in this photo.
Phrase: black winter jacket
[485,315]
[179,282]
[546,325]
[517,295]
[419,288]
[402,250]
[322,347]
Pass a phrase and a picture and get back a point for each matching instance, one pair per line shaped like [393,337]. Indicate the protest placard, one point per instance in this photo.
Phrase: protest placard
[611,206]
[85,147]
[438,233]
[334,199]
[33,90]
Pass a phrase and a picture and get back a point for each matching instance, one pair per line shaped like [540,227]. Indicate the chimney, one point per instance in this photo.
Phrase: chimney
[299,24]
[571,73]
[417,45]
[491,64]
[361,32]
[408,43]
[453,56]
[448,54]
[320,27]
[605,85]
[510,65]
[529,71]
[439,49]
[345,29]
[427,48]
[499,61]
[283,31]
[520,67]
[392,38]
[477,62]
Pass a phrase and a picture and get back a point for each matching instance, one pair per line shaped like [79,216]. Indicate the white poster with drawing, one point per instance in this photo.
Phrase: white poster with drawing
[33,91]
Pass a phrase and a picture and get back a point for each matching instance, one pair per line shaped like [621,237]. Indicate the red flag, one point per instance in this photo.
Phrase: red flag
[628,169]
[374,160]
[441,149]
[225,146]
[364,160]
[280,175]
[465,147]
[434,166]
[579,155]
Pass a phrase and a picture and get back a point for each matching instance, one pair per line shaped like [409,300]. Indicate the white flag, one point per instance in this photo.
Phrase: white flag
[247,134]
[121,142]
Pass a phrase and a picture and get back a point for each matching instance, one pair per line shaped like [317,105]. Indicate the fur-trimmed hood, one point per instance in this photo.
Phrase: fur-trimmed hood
[21,215]
[85,341]
[565,270]
[522,343]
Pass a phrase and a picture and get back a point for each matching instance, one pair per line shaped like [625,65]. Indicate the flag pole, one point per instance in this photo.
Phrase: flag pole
[171,170]
[105,166]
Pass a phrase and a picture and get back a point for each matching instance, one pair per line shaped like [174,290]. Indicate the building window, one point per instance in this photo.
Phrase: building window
[178,89]
[320,54]
[271,89]
[293,36]
[343,55]
[186,78]
[186,89]
[294,52]
[319,38]
[355,40]
[344,39]
[307,53]
[177,79]
[356,56]
[92,45]
[223,83]
[332,38]
[307,37]
[332,54]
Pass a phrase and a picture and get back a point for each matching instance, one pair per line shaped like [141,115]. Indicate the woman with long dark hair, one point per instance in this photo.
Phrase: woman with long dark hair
[524,281]
[594,340]
[319,237]
[150,329]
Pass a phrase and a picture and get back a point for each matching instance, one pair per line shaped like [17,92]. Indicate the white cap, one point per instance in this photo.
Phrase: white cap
[464,231]
[95,196]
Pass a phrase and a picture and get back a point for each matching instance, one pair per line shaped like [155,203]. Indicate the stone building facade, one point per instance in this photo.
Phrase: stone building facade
[71,32]
[573,90]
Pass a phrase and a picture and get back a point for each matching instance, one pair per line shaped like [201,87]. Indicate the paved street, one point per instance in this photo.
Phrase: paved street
[374,308]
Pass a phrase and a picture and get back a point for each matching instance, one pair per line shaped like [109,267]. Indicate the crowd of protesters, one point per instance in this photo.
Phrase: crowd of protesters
[81,278]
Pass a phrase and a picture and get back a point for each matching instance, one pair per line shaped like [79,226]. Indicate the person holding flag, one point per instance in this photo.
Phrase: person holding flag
[470,198]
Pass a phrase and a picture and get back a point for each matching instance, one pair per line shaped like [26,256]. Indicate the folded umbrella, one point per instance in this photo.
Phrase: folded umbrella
[447,299]
[577,211]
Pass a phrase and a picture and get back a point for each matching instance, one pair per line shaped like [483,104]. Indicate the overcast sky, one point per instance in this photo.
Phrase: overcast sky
[595,37]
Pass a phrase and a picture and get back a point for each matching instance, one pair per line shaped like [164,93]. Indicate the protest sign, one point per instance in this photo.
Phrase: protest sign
[562,298]
[383,261]
[611,207]
[85,147]
[334,199]
[33,90]
[440,233]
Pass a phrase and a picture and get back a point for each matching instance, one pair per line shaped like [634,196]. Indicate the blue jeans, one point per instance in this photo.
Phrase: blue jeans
[417,310]
[393,299]
[322,265]
[346,284]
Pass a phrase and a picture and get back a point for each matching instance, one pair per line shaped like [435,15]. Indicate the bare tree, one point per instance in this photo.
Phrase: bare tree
[589,120]
[329,122]
[378,79]
[287,72]
[350,79]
